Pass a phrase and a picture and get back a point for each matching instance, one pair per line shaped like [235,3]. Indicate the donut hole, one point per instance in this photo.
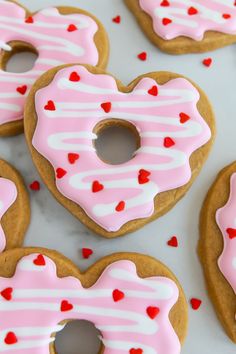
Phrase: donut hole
[117,141]
[78,337]
[20,59]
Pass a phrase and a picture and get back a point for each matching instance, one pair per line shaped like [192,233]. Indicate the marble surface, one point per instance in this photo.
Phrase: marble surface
[52,226]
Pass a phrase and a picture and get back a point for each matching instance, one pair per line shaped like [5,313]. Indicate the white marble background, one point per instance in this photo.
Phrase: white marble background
[52,226]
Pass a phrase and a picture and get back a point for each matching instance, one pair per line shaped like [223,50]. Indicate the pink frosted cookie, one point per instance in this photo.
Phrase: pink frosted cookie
[14,207]
[133,300]
[58,35]
[217,246]
[185,26]
[172,119]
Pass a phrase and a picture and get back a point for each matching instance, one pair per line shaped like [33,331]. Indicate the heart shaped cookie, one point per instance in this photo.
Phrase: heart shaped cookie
[58,35]
[217,246]
[116,199]
[14,207]
[150,316]
[179,27]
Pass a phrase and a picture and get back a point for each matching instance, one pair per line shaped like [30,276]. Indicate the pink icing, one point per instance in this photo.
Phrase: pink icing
[68,129]
[226,219]
[211,15]
[55,45]
[8,195]
[34,311]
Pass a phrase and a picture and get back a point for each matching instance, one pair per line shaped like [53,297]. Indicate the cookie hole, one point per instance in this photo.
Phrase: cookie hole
[78,337]
[20,59]
[117,141]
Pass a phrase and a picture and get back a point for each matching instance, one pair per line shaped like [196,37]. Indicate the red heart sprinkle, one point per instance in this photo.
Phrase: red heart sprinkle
[165,3]
[118,295]
[97,187]
[166,21]
[207,62]
[66,306]
[173,242]
[72,28]
[106,106]
[192,11]
[226,16]
[231,232]
[35,186]
[136,351]
[10,338]
[168,142]
[195,303]
[142,56]
[40,261]
[74,77]
[50,106]
[60,172]
[29,20]
[7,293]
[73,157]
[116,19]
[143,176]
[120,206]
[22,89]
[183,117]
[87,252]
[153,311]
[153,91]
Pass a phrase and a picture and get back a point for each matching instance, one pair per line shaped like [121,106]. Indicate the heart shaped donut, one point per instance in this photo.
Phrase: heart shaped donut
[217,246]
[186,26]
[171,116]
[133,300]
[14,207]
[58,35]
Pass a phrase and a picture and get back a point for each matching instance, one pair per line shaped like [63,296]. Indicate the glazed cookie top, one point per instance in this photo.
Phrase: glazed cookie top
[166,117]
[226,220]
[58,39]
[131,313]
[8,195]
[190,18]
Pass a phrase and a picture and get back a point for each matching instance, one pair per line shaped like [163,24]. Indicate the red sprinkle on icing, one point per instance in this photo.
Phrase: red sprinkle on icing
[35,186]
[40,261]
[73,157]
[207,62]
[195,303]
[106,106]
[142,56]
[168,142]
[152,312]
[74,77]
[120,206]
[66,306]
[117,19]
[226,16]
[143,176]
[173,242]
[118,295]
[153,91]
[231,232]
[72,28]
[50,106]
[97,187]
[166,21]
[86,252]
[10,338]
[192,11]
[136,351]
[60,173]
[7,294]
[184,117]
[29,20]
[165,3]
[22,89]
